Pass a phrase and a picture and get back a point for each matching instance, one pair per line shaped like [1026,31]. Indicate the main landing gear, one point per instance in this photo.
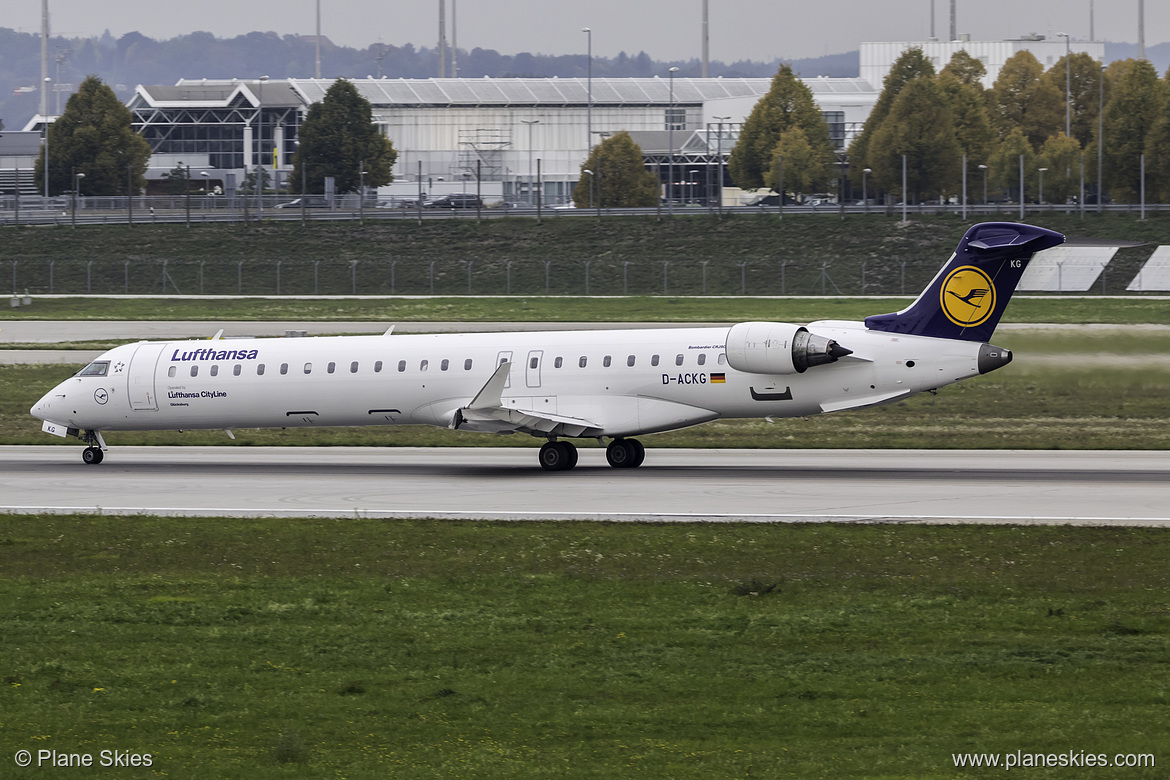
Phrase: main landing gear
[625,453]
[621,454]
[558,456]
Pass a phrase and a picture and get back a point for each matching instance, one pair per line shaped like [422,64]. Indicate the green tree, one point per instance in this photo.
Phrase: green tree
[621,173]
[807,168]
[965,69]
[1136,99]
[911,65]
[1083,81]
[175,181]
[1061,155]
[1021,98]
[339,139]
[960,82]
[93,136]
[919,126]
[1005,164]
[1158,150]
[789,103]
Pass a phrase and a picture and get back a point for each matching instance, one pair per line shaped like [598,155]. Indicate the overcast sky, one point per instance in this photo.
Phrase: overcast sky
[664,29]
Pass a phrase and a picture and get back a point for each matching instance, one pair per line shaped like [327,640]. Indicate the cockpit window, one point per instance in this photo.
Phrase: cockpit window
[96,368]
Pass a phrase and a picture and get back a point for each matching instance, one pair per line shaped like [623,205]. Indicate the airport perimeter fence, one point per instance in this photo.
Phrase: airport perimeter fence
[490,276]
[156,276]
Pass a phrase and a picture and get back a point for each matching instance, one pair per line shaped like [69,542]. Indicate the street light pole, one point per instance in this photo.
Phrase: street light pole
[362,192]
[77,177]
[45,119]
[670,143]
[719,154]
[865,172]
[1040,196]
[984,169]
[260,151]
[187,191]
[530,123]
[1067,83]
[589,91]
[1100,139]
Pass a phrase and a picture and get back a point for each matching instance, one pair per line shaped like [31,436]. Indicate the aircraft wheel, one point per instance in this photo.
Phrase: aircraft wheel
[92,455]
[639,453]
[622,453]
[558,456]
[571,452]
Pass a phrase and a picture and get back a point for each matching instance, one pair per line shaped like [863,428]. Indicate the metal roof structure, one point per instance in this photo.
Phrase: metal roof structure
[504,92]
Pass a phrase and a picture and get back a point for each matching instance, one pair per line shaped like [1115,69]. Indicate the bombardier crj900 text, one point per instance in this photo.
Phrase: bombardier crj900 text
[561,385]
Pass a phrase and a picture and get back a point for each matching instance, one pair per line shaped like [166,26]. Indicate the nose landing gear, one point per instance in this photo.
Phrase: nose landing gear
[95,452]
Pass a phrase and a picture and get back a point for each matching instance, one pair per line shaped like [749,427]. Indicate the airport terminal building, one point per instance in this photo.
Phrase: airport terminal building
[448,130]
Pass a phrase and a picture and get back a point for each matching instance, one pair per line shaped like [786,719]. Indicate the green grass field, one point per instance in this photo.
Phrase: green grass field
[285,648]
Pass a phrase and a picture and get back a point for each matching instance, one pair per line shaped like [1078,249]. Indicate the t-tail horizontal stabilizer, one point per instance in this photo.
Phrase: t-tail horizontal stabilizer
[968,296]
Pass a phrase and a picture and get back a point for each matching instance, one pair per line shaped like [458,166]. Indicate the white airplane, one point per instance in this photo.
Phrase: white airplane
[559,385]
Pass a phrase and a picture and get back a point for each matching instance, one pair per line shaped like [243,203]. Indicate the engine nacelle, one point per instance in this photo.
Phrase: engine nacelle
[778,348]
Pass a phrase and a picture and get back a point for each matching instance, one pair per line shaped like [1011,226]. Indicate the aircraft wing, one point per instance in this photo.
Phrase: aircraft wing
[487,413]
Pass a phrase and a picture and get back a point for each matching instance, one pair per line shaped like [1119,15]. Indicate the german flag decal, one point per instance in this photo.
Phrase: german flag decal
[718,379]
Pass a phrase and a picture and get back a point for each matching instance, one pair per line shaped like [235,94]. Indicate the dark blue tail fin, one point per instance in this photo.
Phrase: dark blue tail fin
[967,297]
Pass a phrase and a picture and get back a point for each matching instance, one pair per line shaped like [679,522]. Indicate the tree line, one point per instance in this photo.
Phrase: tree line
[936,120]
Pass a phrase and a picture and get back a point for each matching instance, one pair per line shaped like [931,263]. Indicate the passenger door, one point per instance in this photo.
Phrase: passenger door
[140,384]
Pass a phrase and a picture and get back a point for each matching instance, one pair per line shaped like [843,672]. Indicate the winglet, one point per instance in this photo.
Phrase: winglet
[491,395]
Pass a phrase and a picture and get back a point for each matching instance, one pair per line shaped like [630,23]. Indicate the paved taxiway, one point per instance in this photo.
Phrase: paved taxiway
[1105,488]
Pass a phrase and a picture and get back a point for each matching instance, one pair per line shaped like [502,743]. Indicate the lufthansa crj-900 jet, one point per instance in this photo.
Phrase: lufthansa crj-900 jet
[561,385]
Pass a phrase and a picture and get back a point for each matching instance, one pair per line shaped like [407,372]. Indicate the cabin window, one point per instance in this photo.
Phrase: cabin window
[377,366]
[283,369]
[467,364]
[678,360]
[606,361]
[237,369]
[630,361]
[582,361]
[653,360]
[702,358]
[194,370]
[722,358]
[308,368]
[422,366]
[259,369]
[353,367]
[560,361]
[533,362]
[401,365]
[215,370]
[171,371]
[331,367]
[445,364]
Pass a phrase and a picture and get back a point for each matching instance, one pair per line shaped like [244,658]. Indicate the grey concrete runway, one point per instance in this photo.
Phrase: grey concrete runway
[1105,488]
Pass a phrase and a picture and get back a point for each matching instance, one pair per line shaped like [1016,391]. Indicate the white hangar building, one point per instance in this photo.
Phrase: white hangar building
[447,129]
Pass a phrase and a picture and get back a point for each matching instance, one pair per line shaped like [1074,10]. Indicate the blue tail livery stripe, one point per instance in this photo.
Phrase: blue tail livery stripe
[967,297]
